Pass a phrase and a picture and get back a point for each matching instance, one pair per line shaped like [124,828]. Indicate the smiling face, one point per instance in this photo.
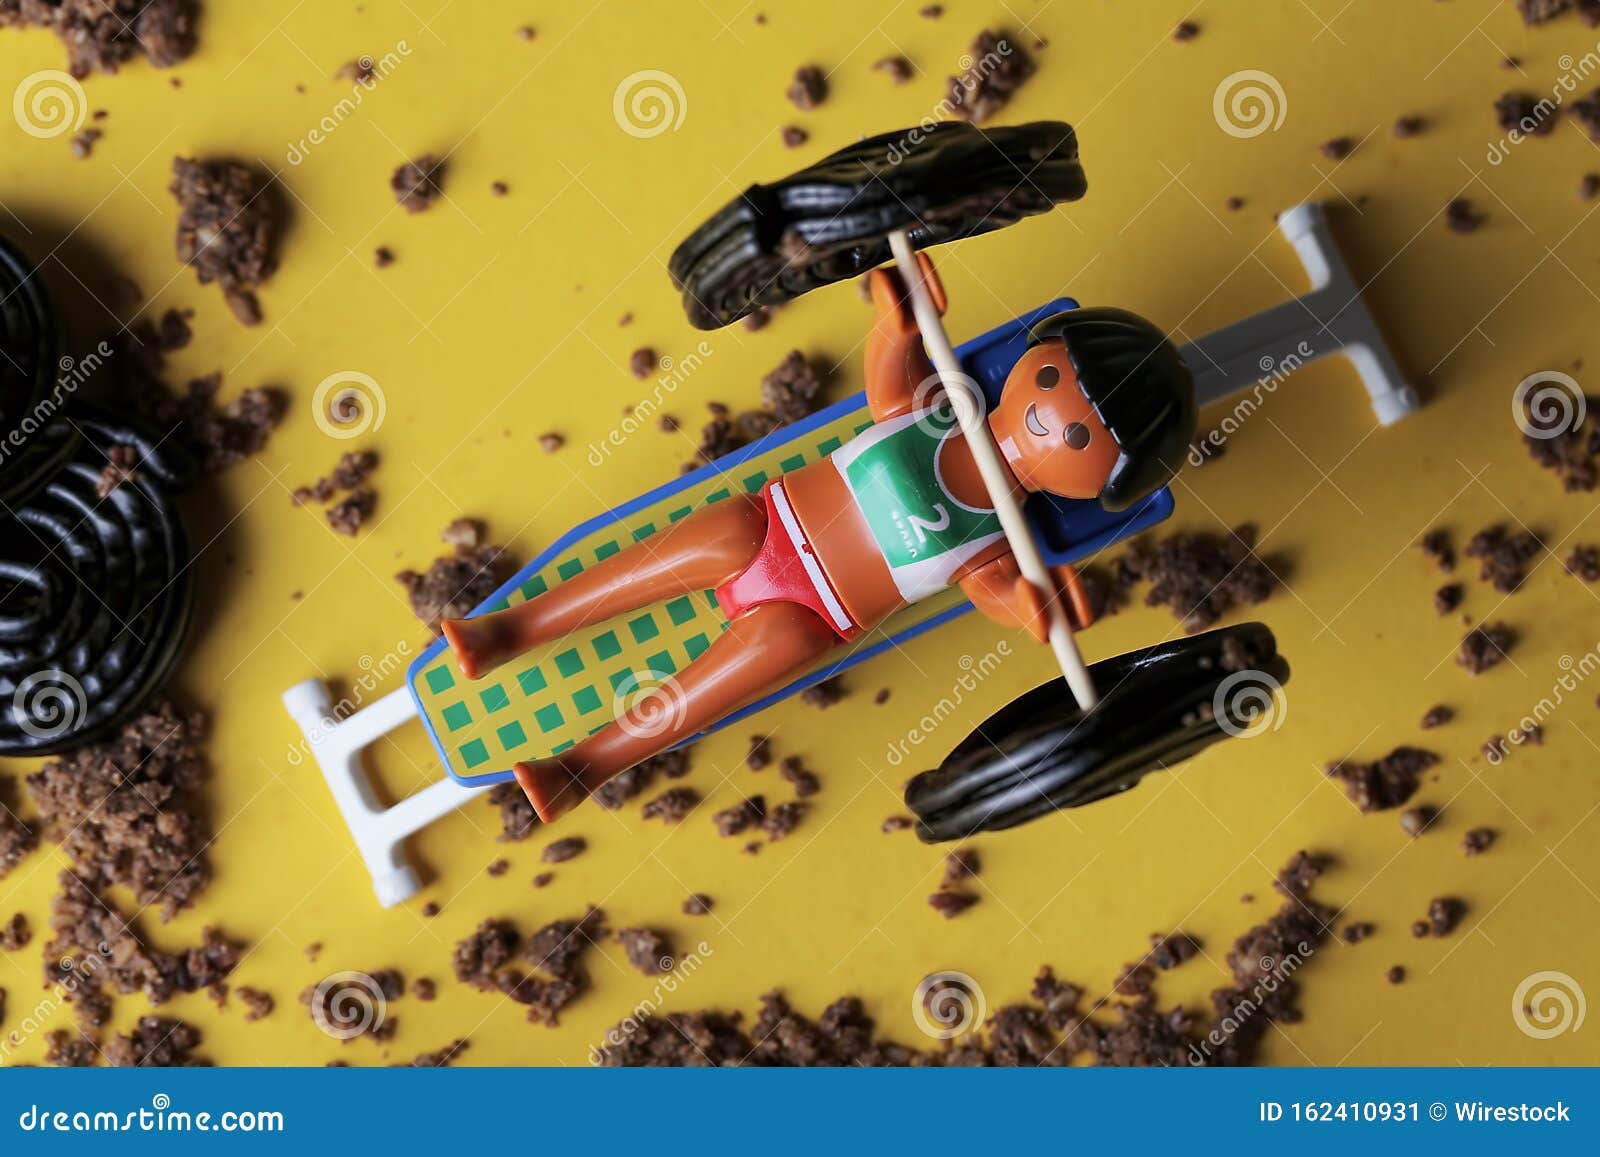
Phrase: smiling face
[1048,431]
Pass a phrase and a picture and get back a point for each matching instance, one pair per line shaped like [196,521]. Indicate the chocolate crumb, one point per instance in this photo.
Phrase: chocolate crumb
[1448,598]
[804,781]
[698,904]
[999,68]
[1485,646]
[1416,820]
[351,513]
[416,184]
[951,904]
[826,693]
[550,442]
[1437,716]
[897,68]
[1408,126]
[1583,564]
[499,188]
[1338,148]
[1437,546]
[1384,783]
[1521,112]
[227,229]
[431,909]
[895,824]
[1199,576]
[542,880]
[455,583]
[647,950]
[759,757]
[1186,31]
[783,819]
[793,136]
[498,868]
[642,362]
[257,1004]
[881,697]
[1445,914]
[1589,187]
[1396,974]
[1477,841]
[1357,932]
[1504,556]
[959,865]
[809,88]
[1460,216]
[672,805]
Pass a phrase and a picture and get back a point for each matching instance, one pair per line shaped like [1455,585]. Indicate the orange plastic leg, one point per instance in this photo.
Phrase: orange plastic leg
[759,652]
[700,552]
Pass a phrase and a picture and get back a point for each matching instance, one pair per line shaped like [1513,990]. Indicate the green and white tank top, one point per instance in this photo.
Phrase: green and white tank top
[894,471]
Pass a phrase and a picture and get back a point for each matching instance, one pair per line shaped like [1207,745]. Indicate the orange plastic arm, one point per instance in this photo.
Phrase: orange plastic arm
[999,591]
[896,363]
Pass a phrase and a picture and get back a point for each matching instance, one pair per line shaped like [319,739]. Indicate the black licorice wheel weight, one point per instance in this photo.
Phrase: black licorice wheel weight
[34,440]
[94,590]
[832,221]
[1040,753]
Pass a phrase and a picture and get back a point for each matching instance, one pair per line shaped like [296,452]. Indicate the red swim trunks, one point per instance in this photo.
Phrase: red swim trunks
[786,570]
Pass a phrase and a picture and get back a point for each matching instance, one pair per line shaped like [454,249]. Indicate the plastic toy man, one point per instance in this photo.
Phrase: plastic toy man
[1099,407]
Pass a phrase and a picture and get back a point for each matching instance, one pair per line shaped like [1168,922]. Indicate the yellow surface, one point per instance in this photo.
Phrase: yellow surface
[498,321]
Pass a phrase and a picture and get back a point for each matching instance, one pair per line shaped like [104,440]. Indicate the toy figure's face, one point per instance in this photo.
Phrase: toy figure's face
[1048,431]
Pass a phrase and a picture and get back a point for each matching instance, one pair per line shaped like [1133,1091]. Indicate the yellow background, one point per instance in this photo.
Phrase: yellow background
[498,321]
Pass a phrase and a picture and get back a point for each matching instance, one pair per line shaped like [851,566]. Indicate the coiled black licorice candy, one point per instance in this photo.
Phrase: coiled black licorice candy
[34,440]
[1041,753]
[94,590]
[832,220]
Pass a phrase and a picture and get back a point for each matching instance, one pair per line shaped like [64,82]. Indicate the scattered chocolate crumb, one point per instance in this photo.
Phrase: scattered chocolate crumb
[82,143]
[1167,952]
[1477,841]
[699,904]
[257,1004]
[479,956]
[126,811]
[439,1058]
[1437,546]
[1419,929]
[619,789]
[1408,126]
[121,466]
[951,904]
[351,513]
[1504,556]
[102,35]
[1357,932]
[1494,748]
[1460,216]
[542,880]
[1199,576]
[157,1042]
[759,757]
[1416,820]
[499,188]
[642,362]
[881,697]
[456,583]
[1233,205]
[1444,915]
[804,781]
[793,136]
[897,68]
[1589,187]
[15,933]
[312,951]
[550,442]
[959,865]
[809,88]
[498,868]
[789,390]
[70,1050]
[783,819]
[526,32]
[1384,783]
[1524,113]
[895,824]
[1587,111]
[1485,646]
[1338,148]
[672,805]
[931,11]
[1448,598]
[416,184]
[751,848]
[424,989]
[562,850]
[383,257]
[735,820]
[1583,563]
[1437,716]
[647,950]
[999,67]
[431,909]
[227,229]
[826,693]
[753,322]
[1186,31]
[517,817]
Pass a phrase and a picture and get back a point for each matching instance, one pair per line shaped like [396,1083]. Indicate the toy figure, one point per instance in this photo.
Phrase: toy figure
[1100,406]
